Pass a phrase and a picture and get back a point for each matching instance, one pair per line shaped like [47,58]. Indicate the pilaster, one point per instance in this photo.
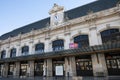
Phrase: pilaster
[31,50]
[17,70]
[70,66]
[67,66]
[31,65]
[47,45]
[49,68]
[18,51]
[5,69]
[97,60]
[93,37]
[67,40]
[7,53]
[102,61]
[99,64]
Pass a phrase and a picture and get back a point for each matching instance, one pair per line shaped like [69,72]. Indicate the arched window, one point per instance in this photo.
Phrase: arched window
[81,40]
[3,54]
[39,48]
[13,52]
[109,35]
[25,50]
[58,45]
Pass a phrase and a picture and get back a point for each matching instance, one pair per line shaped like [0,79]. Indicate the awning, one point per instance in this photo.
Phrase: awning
[104,48]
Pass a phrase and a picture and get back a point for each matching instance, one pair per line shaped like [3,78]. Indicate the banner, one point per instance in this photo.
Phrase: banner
[73,45]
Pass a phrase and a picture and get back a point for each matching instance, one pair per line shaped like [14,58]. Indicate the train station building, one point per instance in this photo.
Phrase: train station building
[84,41]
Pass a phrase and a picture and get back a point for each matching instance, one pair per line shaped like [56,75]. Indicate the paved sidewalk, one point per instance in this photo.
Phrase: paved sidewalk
[66,78]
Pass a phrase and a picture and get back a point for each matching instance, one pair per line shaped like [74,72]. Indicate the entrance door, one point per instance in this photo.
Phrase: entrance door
[84,67]
[58,67]
[11,69]
[113,64]
[23,69]
[39,68]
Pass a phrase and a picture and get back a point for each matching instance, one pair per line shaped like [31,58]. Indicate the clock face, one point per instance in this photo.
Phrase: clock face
[56,18]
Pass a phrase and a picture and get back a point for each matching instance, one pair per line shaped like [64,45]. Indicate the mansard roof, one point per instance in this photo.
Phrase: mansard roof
[96,6]
[25,29]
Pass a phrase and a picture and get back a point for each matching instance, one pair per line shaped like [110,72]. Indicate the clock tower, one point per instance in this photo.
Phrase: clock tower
[56,15]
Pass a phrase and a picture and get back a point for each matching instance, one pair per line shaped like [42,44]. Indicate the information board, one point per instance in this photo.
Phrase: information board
[59,70]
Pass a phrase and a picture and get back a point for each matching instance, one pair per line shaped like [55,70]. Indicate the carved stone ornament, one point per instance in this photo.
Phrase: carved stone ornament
[107,26]
[18,44]
[56,8]
[31,41]
[92,28]
[79,31]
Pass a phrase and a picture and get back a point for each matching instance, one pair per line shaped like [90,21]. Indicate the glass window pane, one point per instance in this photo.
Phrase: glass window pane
[107,35]
[113,64]
[58,45]
[25,50]
[13,52]
[39,47]
[3,54]
[82,40]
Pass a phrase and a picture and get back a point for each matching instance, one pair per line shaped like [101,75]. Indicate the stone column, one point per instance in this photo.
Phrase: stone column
[5,70]
[31,65]
[95,64]
[102,61]
[17,70]
[97,60]
[72,66]
[99,64]
[49,68]
[67,66]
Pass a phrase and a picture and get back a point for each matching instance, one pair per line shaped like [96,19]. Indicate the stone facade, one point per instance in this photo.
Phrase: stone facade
[91,24]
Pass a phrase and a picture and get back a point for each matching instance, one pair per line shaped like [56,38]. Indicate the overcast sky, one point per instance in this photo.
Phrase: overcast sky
[17,13]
